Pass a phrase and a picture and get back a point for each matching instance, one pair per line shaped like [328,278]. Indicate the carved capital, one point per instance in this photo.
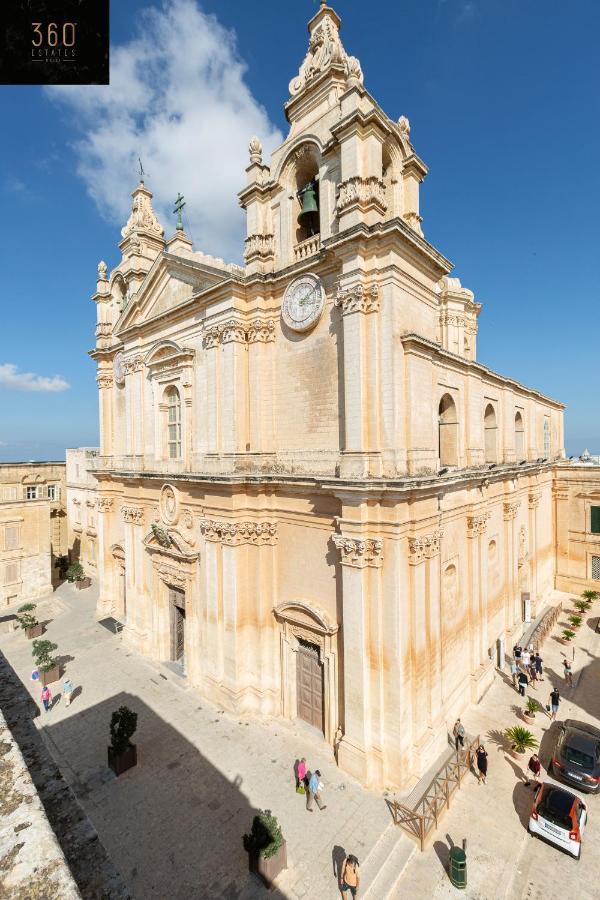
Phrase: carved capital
[259,246]
[133,364]
[534,499]
[477,524]
[234,330]
[262,330]
[104,379]
[364,193]
[211,338]
[359,552]
[133,514]
[358,298]
[105,504]
[103,329]
[235,533]
[424,546]
[511,509]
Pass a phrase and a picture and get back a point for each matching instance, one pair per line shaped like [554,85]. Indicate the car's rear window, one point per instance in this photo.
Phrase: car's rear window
[555,807]
[578,757]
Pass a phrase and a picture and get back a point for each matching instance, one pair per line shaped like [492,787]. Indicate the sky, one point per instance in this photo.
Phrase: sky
[503,101]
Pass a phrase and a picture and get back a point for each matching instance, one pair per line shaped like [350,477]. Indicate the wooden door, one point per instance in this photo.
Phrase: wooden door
[177,601]
[309,685]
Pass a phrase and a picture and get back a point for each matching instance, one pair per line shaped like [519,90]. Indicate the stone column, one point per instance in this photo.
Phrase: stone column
[360,557]
[560,503]
[105,605]
[476,528]
[233,395]
[213,391]
[105,382]
[360,455]
[136,630]
[261,333]
[534,502]
[512,585]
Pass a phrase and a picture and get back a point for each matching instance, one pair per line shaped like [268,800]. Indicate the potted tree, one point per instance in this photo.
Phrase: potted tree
[582,606]
[266,847]
[567,636]
[590,595]
[122,754]
[28,622]
[521,739]
[531,707]
[76,574]
[47,664]
[575,621]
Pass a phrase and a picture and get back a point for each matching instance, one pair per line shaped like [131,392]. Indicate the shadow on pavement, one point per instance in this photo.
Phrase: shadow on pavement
[523,800]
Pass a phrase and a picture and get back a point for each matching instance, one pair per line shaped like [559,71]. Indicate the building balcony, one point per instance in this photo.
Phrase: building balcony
[307,248]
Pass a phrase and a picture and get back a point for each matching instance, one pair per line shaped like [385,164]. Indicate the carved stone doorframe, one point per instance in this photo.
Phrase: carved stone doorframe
[298,621]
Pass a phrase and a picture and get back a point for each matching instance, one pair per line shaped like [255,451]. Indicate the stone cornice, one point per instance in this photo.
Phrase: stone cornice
[359,552]
[424,546]
[358,298]
[235,533]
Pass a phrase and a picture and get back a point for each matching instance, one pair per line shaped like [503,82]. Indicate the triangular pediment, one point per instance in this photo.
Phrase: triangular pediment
[171,282]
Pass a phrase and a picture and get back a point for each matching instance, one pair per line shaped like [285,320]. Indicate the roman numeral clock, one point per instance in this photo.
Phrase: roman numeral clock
[303,302]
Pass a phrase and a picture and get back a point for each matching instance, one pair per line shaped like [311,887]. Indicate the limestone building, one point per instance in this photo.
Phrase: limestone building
[32,529]
[577,517]
[82,511]
[310,492]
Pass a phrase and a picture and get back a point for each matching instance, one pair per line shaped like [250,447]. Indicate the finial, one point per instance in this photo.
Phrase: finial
[179,204]
[101,270]
[255,150]
[142,173]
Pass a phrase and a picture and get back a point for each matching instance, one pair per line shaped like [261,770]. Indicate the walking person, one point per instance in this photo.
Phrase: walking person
[568,672]
[554,703]
[514,671]
[523,682]
[46,698]
[315,787]
[525,659]
[301,776]
[539,665]
[67,691]
[350,876]
[535,767]
[459,734]
[532,675]
[482,764]
[517,650]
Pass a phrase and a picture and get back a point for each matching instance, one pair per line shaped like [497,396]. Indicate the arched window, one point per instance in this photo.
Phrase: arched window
[491,431]
[519,437]
[546,437]
[448,432]
[307,206]
[173,402]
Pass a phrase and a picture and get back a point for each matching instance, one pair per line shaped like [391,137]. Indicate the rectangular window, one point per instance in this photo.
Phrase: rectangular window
[51,492]
[31,493]
[11,573]
[596,568]
[546,437]
[11,537]
[595,519]
[9,493]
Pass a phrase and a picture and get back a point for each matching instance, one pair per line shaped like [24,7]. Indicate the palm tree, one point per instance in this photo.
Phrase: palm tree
[590,595]
[521,739]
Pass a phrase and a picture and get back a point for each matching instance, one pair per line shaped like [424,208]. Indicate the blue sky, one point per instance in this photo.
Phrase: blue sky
[503,100]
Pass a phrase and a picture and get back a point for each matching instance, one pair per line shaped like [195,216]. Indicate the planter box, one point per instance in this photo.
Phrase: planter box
[120,762]
[35,632]
[529,719]
[516,755]
[269,869]
[83,583]
[50,676]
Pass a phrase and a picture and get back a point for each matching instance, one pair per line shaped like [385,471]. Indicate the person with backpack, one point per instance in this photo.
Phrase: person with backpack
[350,876]
[523,682]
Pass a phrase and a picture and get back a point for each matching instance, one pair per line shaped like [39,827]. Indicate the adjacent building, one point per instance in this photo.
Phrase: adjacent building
[82,511]
[33,531]
[312,496]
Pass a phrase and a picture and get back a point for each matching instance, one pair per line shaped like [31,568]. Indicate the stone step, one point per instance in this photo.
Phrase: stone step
[383,867]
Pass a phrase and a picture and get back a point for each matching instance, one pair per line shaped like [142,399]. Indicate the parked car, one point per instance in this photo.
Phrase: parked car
[576,757]
[559,817]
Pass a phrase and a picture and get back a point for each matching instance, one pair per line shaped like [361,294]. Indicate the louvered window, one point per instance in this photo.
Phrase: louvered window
[11,537]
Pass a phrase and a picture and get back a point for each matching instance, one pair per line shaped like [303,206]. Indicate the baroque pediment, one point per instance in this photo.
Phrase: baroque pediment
[169,542]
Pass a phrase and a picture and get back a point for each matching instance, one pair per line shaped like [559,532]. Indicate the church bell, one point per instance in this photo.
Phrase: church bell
[309,214]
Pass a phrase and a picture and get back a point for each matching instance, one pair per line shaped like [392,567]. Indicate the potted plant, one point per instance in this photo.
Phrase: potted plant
[28,622]
[266,847]
[47,664]
[582,606]
[531,707]
[122,754]
[575,621]
[590,595]
[567,635]
[76,574]
[521,739]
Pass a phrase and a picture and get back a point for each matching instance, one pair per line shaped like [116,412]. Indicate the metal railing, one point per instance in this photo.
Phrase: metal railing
[420,819]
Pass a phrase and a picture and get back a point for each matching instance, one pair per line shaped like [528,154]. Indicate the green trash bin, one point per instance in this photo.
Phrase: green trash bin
[458,867]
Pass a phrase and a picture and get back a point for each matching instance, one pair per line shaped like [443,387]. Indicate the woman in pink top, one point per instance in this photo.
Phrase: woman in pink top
[46,698]
[301,773]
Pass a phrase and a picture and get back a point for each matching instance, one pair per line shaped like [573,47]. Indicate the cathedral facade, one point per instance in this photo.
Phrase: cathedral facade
[312,498]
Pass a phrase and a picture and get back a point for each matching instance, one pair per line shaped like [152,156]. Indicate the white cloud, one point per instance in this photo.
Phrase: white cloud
[177,99]
[10,377]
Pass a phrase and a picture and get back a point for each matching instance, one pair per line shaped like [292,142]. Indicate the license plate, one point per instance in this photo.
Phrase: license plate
[575,775]
[552,830]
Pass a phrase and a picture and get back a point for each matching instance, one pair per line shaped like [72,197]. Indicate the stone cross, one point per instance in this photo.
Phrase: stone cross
[179,204]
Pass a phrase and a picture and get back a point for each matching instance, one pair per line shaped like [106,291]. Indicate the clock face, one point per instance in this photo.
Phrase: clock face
[118,368]
[303,302]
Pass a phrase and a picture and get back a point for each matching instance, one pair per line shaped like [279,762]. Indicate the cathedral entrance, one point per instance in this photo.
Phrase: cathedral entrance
[309,684]
[177,608]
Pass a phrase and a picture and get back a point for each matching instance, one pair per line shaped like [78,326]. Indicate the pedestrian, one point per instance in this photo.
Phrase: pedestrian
[301,776]
[535,767]
[525,659]
[67,691]
[459,734]
[532,674]
[315,787]
[554,703]
[46,698]
[539,665]
[517,650]
[523,682]
[568,672]
[350,876]
[482,763]
[514,671]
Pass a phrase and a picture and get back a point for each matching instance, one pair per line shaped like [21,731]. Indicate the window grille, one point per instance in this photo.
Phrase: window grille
[596,568]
